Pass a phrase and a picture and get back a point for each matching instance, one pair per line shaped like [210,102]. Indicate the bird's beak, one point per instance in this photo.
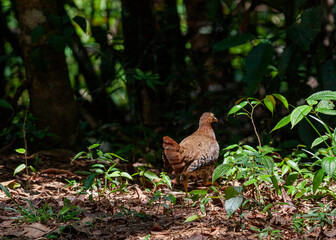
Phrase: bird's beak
[215,119]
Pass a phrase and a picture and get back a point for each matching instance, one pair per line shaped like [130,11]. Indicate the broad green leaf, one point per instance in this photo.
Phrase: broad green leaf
[81,22]
[167,180]
[232,41]
[275,184]
[5,191]
[126,175]
[192,218]
[293,165]
[270,103]
[233,199]
[220,171]
[19,168]
[291,178]
[329,74]
[249,148]
[319,140]
[283,122]
[312,102]
[33,169]
[323,95]
[329,165]
[299,113]
[237,107]
[256,64]
[88,182]
[231,192]
[281,99]
[93,146]
[199,192]
[326,104]
[5,104]
[251,181]
[317,180]
[98,171]
[21,150]
[115,174]
[327,111]
[268,163]
[117,156]
[150,175]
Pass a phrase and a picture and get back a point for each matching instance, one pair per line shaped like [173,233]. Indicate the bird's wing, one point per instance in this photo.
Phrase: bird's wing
[198,151]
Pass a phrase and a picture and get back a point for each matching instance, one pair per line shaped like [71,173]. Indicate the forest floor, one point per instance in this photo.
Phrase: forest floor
[128,214]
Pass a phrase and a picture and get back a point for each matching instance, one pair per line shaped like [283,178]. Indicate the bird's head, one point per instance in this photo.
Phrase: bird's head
[207,118]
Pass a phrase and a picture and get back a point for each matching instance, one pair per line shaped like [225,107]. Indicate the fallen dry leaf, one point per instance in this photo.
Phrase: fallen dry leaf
[35,230]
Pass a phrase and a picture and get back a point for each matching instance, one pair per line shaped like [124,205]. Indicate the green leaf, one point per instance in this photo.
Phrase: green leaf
[98,165]
[256,64]
[115,174]
[233,199]
[231,147]
[291,178]
[220,171]
[275,183]
[78,155]
[319,140]
[299,113]
[150,175]
[89,181]
[167,180]
[126,175]
[251,181]
[304,34]
[81,22]
[192,218]
[270,103]
[283,122]
[237,107]
[5,191]
[20,150]
[19,168]
[327,111]
[317,180]
[231,192]
[93,146]
[323,95]
[293,165]
[232,41]
[329,165]
[199,192]
[36,33]
[268,163]
[5,104]
[329,74]
[281,99]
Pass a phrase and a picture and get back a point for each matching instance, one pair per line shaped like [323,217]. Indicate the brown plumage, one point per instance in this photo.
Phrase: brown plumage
[196,154]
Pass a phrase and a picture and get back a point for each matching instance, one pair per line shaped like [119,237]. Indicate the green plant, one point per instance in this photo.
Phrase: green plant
[150,78]
[320,217]
[268,233]
[107,169]
[44,214]
[318,103]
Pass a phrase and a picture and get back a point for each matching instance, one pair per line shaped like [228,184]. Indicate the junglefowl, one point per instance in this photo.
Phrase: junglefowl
[196,154]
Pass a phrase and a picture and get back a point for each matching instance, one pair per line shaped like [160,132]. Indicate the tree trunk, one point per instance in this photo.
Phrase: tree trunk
[51,97]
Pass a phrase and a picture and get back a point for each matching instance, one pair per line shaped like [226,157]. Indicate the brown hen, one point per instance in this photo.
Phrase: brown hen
[196,154]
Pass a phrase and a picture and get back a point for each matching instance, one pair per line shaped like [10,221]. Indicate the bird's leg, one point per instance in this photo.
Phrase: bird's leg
[185,182]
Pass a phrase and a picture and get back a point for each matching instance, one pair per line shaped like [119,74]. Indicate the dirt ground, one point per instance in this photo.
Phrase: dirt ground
[129,214]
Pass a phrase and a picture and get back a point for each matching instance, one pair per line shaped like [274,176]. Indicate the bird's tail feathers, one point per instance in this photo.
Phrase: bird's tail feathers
[172,155]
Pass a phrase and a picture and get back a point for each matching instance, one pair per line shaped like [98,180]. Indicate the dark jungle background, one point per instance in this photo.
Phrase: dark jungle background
[126,73]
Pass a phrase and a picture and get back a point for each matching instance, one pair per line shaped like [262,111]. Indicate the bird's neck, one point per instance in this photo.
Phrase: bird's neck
[206,129]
